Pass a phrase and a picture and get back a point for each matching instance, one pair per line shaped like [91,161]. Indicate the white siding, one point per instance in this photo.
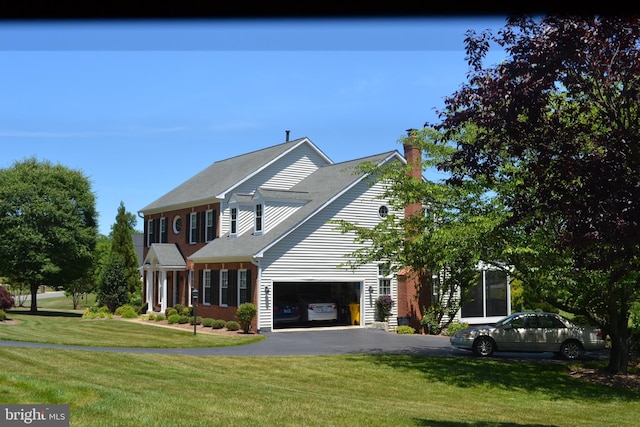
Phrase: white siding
[285,172]
[245,219]
[275,212]
[315,250]
[282,175]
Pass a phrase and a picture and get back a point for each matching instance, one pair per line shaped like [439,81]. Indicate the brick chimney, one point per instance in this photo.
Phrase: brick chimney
[412,293]
[413,155]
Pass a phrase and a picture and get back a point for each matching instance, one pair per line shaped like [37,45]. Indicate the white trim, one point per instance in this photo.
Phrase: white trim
[207,213]
[175,228]
[257,231]
[226,273]
[206,273]
[193,215]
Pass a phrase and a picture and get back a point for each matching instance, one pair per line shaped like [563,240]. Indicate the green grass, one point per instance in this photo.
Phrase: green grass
[114,389]
[134,389]
[68,328]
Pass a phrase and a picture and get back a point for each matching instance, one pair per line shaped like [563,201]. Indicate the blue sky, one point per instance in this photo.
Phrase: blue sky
[141,106]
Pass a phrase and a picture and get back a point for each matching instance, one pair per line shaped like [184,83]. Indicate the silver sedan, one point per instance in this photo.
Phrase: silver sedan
[531,332]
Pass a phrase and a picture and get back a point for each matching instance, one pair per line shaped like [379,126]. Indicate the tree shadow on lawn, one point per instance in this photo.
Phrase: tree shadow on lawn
[44,313]
[550,379]
[435,423]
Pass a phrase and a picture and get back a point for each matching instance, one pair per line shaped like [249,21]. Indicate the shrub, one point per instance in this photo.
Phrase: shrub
[152,316]
[207,322]
[198,320]
[6,300]
[405,329]
[218,324]
[183,319]
[129,313]
[123,308]
[245,314]
[112,289]
[3,315]
[160,317]
[455,327]
[173,319]
[135,300]
[232,325]
[169,311]
[183,309]
[384,305]
[97,313]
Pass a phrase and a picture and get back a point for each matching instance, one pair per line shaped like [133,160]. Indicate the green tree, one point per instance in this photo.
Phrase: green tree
[123,247]
[245,314]
[102,257]
[47,223]
[113,288]
[558,134]
[444,242]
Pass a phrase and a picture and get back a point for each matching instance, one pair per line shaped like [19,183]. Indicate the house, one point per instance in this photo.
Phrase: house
[257,228]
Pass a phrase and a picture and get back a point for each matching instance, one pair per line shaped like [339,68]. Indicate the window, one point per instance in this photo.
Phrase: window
[383,211]
[258,218]
[210,226]
[206,286]
[193,227]
[384,279]
[489,296]
[163,230]
[177,224]
[234,220]
[243,295]
[224,287]
[149,232]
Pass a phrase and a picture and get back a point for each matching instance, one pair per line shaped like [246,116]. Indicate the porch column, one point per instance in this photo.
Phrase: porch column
[163,284]
[149,291]
[175,288]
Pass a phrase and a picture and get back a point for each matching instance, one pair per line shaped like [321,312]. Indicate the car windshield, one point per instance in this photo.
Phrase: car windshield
[505,321]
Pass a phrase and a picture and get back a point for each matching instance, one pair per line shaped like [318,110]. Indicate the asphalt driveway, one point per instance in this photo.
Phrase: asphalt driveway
[326,341]
[299,343]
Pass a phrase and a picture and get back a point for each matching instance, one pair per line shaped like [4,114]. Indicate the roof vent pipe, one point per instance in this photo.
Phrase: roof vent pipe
[287,132]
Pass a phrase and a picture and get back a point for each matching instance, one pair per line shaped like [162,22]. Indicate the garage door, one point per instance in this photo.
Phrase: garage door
[315,304]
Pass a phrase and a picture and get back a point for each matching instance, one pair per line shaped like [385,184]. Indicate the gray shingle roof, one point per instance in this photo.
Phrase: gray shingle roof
[166,254]
[220,176]
[317,189]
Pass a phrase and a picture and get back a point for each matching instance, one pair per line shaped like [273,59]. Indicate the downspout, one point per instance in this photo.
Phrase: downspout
[261,314]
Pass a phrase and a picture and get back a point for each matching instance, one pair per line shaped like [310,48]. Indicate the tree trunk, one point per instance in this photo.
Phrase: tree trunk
[34,298]
[619,333]
[619,358]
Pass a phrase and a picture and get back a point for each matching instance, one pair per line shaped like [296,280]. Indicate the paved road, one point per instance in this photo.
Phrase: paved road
[350,340]
[51,294]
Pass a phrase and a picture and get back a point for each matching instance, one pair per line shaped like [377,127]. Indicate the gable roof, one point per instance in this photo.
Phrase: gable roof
[223,176]
[318,190]
[165,255]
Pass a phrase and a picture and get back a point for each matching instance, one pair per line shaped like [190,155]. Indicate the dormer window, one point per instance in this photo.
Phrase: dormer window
[258,227]
[234,220]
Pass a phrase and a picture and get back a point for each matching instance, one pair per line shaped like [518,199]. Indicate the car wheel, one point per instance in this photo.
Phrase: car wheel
[483,346]
[571,350]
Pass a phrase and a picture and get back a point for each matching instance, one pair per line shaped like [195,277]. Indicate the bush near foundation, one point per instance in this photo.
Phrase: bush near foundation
[405,329]
[232,325]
